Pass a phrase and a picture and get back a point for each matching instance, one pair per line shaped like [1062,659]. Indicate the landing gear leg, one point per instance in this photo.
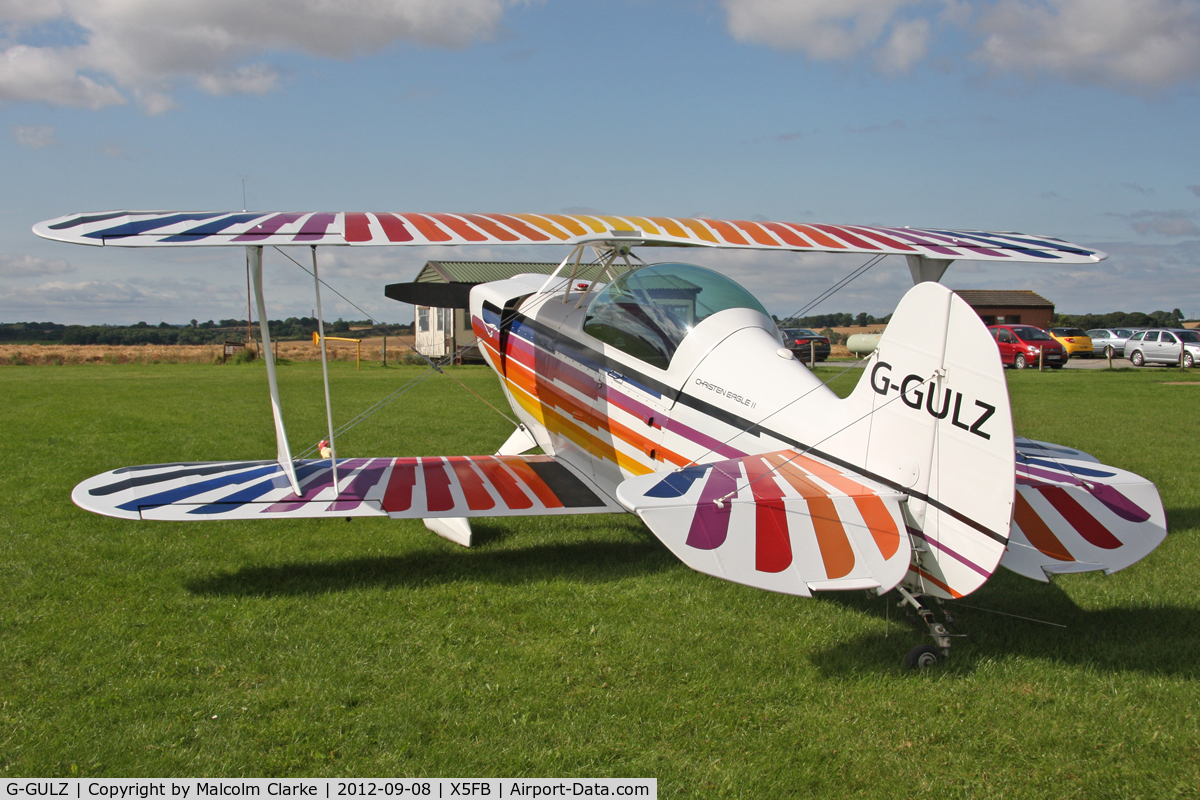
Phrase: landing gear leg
[925,655]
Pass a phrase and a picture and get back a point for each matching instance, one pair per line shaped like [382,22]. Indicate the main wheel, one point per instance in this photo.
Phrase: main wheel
[1188,360]
[922,657]
[1018,363]
[1137,359]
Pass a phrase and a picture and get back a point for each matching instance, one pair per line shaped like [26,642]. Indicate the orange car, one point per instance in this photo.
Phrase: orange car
[1074,341]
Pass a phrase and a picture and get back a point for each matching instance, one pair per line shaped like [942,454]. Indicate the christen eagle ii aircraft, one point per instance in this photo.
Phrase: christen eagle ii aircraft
[663,390]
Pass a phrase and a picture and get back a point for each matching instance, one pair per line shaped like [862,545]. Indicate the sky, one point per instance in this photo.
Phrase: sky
[1070,118]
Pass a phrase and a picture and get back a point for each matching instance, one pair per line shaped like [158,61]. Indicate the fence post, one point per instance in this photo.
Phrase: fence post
[384,360]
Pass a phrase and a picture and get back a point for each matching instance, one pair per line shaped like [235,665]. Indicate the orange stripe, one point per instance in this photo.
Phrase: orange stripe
[544,224]
[521,228]
[756,232]
[430,231]
[570,223]
[945,588]
[460,227]
[874,511]
[835,547]
[702,232]
[727,231]
[589,221]
[1037,531]
[670,226]
[646,225]
[817,236]
[531,479]
[492,229]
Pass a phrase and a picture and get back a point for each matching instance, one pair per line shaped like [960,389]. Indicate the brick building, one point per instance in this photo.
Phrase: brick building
[1005,306]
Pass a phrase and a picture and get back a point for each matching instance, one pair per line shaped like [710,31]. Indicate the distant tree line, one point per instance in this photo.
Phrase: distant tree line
[1121,319]
[210,332]
[818,321]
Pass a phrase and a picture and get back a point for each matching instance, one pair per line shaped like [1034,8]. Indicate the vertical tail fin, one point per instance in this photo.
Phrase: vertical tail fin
[931,416]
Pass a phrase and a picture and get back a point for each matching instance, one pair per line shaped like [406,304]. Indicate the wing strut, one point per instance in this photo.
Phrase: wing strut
[923,268]
[325,375]
[283,453]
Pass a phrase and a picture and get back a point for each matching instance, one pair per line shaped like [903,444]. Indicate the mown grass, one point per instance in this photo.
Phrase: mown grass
[557,647]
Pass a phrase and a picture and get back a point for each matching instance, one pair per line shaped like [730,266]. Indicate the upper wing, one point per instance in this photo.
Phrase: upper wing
[402,488]
[768,522]
[172,228]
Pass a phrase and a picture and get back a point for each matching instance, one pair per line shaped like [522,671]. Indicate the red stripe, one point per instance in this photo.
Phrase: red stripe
[846,236]
[504,484]
[358,228]
[476,493]
[398,496]
[437,485]
[885,240]
[393,228]
[772,547]
[1083,522]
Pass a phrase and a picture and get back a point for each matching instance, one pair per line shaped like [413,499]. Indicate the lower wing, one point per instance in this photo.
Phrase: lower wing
[401,488]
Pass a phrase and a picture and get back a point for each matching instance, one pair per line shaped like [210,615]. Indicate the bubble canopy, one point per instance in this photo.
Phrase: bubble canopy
[649,311]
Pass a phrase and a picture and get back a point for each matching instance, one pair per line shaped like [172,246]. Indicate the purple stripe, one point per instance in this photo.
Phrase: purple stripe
[366,480]
[949,552]
[1057,477]
[322,481]
[264,229]
[710,525]
[315,227]
[707,442]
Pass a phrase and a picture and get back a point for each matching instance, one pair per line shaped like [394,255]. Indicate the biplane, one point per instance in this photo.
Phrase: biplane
[664,390]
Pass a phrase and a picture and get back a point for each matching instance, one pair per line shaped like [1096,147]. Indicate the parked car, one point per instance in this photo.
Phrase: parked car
[1074,341]
[1163,347]
[1110,342]
[1022,345]
[801,340]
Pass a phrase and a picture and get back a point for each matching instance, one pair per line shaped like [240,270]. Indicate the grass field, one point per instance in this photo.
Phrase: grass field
[557,647]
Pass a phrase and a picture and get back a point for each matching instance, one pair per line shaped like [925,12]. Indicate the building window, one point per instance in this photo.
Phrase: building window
[423,319]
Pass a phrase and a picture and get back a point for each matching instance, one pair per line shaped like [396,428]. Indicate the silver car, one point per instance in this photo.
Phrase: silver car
[1110,341]
[1163,347]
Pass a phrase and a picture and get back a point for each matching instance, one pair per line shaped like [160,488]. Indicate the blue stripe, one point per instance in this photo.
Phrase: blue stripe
[192,489]
[677,483]
[143,225]
[1072,470]
[213,228]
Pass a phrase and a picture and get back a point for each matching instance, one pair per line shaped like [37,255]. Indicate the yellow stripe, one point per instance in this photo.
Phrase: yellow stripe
[542,224]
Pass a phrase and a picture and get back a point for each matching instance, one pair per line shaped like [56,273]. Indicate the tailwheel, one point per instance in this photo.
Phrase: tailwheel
[922,657]
[925,655]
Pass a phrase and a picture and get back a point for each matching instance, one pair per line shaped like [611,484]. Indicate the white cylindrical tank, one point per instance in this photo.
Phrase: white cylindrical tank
[862,344]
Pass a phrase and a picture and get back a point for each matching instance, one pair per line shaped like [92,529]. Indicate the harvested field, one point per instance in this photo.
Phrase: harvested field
[58,354]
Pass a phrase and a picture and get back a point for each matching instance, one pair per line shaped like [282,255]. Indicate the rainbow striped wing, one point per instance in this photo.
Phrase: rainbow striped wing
[767,522]
[1076,515]
[402,488]
[360,228]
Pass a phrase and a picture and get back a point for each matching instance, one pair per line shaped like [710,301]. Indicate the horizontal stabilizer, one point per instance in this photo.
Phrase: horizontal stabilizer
[1080,516]
[402,488]
[780,521]
[434,295]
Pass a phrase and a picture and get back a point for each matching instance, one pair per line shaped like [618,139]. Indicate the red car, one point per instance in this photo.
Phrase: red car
[1022,345]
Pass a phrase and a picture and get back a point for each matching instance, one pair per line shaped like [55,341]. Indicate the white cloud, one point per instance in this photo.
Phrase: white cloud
[1127,44]
[34,135]
[140,48]
[15,265]
[1139,43]
[1165,223]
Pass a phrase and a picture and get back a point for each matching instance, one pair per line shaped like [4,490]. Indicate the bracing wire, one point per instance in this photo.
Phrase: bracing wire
[832,290]
[326,285]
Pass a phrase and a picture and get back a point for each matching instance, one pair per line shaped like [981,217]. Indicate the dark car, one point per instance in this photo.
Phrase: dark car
[801,341]
[1022,345]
